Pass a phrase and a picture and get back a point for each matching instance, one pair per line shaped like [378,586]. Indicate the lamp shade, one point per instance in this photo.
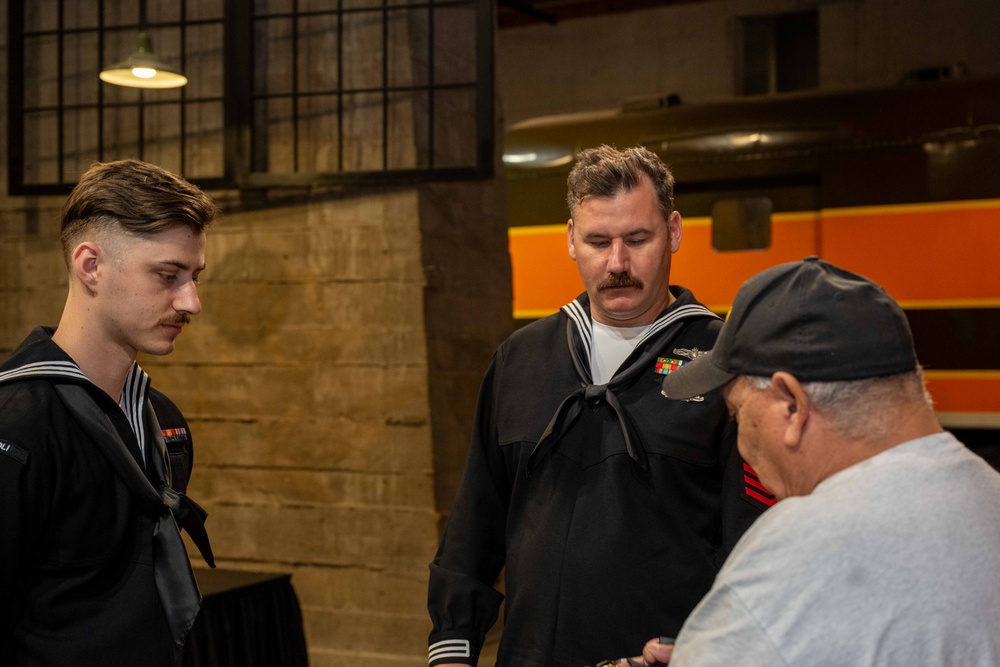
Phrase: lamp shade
[143,69]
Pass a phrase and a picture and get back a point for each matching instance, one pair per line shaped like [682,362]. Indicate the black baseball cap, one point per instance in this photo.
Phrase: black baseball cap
[810,318]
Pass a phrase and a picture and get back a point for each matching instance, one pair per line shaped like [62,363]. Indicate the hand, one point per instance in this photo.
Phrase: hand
[656,652]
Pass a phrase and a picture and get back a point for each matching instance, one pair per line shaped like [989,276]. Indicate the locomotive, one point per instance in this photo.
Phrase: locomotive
[900,183]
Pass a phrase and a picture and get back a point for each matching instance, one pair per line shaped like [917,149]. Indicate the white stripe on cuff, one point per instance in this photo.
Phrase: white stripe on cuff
[449,648]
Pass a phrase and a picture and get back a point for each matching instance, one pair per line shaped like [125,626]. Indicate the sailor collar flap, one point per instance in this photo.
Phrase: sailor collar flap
[579,338]
[39,358]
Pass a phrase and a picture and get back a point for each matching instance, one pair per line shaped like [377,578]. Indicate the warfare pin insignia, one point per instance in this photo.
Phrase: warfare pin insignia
[692,353]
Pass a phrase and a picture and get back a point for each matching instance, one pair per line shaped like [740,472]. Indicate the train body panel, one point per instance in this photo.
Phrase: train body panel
[899,184]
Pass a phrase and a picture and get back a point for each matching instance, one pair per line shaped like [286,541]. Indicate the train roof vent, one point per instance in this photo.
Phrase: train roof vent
[650,103]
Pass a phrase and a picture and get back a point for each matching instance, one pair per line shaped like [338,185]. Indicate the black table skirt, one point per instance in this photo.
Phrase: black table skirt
[247,619]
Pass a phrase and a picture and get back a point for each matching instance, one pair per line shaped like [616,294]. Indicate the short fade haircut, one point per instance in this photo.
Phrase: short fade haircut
[606,171]
[134,197]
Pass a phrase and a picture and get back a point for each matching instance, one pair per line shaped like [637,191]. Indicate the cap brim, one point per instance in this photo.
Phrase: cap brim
[695,378]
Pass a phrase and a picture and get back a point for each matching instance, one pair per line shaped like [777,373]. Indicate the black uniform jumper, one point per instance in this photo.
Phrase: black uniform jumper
[611,507]
[90,571]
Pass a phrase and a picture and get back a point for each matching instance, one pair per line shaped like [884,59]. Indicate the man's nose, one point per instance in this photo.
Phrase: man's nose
[618,259]
[187,300]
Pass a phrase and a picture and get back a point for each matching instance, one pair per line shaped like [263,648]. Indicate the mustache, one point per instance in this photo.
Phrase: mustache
[181,318]
[619,280]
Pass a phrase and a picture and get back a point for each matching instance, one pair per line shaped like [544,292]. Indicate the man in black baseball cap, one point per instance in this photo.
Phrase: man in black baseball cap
[810,318]
[885,545]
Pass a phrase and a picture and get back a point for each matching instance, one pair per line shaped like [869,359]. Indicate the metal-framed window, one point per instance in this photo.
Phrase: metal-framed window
[778,53]
[280,92]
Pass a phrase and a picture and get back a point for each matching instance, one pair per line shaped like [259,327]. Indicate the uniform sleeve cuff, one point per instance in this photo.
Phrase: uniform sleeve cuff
[451,650]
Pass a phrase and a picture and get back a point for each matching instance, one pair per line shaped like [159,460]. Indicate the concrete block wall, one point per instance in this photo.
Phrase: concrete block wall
[467,311]
[305,383]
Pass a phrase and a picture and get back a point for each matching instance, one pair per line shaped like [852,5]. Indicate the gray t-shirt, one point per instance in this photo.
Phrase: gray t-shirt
[893,561]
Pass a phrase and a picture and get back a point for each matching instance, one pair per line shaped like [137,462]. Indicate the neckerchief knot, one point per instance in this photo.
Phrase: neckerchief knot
[605,396]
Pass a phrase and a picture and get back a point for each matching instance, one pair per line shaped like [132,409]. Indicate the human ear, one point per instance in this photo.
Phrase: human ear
[85,264]
[676,231]
[569,239]
[794,404]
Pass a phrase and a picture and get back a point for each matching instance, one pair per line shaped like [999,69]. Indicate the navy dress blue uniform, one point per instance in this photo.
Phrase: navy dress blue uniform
[80,510]
[610,507]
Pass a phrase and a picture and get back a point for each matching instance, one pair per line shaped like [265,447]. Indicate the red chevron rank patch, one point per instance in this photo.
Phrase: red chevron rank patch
[754,489]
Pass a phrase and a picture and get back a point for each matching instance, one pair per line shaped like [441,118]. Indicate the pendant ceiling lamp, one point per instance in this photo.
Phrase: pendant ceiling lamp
[143,69]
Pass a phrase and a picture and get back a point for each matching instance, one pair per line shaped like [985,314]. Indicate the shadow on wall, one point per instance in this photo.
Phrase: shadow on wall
[247,308]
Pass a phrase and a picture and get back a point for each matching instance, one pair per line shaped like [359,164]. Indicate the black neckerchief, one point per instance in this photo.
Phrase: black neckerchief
[579,338]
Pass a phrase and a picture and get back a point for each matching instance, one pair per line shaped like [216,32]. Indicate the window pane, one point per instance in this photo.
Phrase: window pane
[318,5]
[455,135]
[362,58]
[797,52]
[121,132]
[318,139]
[402,147]
[421,103]
[318,51]
[81,141]
[203,65]
[273,50]
[363,132]
[158,11]
[41,66]
[167,46]
[80,68]
[41,147]
[264,7]
[162,135]
[274,136]
[779,53]
[79,14]
[362,4]
[121,14]
[408,46]
[454,45]
[203,140]
[202,10]
[41,15]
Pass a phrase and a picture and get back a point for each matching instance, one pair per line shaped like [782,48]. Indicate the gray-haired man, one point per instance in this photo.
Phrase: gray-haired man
[885,546]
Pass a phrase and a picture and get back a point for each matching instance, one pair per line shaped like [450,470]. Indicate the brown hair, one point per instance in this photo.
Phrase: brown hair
[132,196]
[606,171]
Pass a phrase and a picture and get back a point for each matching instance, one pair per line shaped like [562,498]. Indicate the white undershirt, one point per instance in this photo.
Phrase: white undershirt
[612,345]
